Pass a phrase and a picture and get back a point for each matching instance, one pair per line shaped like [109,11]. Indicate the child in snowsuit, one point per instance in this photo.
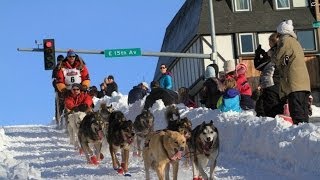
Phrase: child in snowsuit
[230,100]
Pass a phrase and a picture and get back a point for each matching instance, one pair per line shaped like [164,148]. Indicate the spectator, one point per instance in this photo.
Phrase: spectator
[230,100]
[60,58]
[243,86]
[138,92]
[167,96]
[294,77]
[59,102]
[185,98]
[102,91]
[77,100]
[166,78]
[229,69]
[212,87]
[111,85]
[93,91]
[72,70]
[268,103]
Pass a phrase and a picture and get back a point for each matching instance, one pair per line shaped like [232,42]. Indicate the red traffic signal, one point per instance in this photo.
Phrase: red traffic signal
[49,54]
[48,44]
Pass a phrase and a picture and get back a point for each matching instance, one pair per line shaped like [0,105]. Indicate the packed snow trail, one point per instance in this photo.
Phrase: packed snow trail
[251,148]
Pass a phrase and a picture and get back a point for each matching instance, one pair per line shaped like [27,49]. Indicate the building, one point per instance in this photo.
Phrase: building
[240,26]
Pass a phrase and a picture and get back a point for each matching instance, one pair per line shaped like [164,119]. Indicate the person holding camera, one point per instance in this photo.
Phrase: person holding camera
[268,103]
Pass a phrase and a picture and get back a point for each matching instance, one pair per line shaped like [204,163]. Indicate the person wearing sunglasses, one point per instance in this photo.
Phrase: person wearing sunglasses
[166,78]
[77,100]
[72,70]
[77,104]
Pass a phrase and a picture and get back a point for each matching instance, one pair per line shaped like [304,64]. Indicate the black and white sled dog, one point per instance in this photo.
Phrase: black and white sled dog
[105,112]
[205,147]
[176,123]
[91,132]
[143,125]
[74,120]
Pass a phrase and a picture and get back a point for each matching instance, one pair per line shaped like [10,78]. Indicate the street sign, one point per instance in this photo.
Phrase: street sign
[316,24]
[109,53]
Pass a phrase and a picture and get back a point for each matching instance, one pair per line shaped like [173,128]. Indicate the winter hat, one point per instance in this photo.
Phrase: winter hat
[229,66]
[241,68]
[71,53]
[76,85]
[285,27]
[145,85]
[210,72]
[60,58]
[110,77]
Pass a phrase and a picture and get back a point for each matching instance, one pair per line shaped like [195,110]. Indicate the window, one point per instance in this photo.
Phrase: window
[246,43]
[307,40]
[283,4]
[300,3]
[242,5]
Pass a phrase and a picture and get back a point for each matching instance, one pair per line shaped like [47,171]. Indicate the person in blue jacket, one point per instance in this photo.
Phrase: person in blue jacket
[230,100]
[166,78]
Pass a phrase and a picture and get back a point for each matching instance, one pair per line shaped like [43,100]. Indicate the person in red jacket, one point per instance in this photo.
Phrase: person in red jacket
[78,100]
[246,102]
[77,103]
[72,70]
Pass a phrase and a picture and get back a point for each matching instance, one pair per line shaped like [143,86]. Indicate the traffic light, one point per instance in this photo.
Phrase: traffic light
[49,54]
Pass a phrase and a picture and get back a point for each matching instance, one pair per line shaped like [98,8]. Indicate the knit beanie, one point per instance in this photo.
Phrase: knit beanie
[229,66]
[285,27]
[210,72]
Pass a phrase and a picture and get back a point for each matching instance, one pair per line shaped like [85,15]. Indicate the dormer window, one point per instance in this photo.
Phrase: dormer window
[241,5]
[282,4]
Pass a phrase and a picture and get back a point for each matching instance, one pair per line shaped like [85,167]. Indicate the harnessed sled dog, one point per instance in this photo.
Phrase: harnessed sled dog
[143,125]
[183,126]
[74,120]
[120,137]
[161,149]
[105,112]
[91,131]
[205,147]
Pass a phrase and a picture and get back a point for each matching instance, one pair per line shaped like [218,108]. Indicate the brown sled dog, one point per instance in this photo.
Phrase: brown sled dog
[120,137]
[91,131]
[181,125]
[161,149]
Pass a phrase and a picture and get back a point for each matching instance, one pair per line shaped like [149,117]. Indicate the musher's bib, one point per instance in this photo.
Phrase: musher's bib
[71,76]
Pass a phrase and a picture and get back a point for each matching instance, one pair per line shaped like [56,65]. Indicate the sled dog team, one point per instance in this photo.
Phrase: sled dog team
[160,149]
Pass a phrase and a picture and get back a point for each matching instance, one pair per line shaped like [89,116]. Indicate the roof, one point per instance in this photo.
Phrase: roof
[192,20]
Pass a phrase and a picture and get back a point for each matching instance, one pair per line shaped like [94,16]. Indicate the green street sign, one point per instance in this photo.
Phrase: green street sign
[109,53]
[316,24]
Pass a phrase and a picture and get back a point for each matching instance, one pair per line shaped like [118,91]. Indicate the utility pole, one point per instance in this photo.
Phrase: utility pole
[213,33]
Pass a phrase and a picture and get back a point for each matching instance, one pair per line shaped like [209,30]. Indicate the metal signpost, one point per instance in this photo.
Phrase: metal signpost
[111,53]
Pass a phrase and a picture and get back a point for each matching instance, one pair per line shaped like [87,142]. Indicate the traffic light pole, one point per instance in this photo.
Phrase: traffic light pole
[157,54]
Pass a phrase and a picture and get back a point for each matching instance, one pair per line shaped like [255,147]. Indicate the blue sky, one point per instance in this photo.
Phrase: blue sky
[27,95]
